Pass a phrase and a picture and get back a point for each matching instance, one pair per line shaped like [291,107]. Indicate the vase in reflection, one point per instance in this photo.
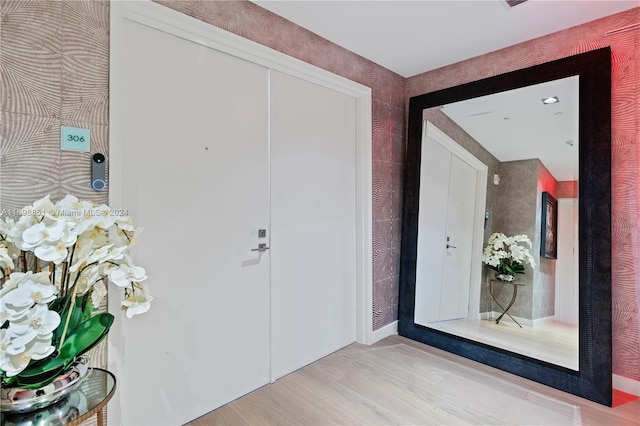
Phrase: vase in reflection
[21,400]
[506,277]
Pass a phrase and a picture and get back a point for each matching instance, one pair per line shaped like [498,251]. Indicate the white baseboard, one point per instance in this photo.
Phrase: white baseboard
[540,321]
[486,315]
[627,385]
[522,321]
[386,331]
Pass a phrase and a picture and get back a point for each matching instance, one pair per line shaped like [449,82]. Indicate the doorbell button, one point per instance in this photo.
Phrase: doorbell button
[98,172]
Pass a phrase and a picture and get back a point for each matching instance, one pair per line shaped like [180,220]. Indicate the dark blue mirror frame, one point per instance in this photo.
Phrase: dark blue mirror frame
[593,379]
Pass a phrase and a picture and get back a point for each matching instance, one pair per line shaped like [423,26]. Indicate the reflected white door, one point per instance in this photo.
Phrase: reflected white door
[197,179]
[435,166]
[445,235]
[456,273]
[313,264]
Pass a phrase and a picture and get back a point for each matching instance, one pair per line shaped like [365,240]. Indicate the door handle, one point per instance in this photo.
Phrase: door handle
[450,246]
[261,247]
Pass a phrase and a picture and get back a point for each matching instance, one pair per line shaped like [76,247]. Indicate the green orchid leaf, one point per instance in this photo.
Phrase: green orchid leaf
[9,381]
[86,335]
[87,310]
[76,318]
[59,303]
[34,377]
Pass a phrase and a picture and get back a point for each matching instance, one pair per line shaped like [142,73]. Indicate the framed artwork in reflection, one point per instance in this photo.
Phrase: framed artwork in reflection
[548,236]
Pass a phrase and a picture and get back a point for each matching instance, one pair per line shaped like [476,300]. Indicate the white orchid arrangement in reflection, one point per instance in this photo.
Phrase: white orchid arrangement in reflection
[54,262]
[506,255]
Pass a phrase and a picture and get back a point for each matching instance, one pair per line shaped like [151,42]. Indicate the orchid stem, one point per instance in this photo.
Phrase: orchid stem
[66,323]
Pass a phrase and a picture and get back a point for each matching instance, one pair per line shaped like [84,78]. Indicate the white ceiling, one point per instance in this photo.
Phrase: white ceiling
[516,125]
[412,37]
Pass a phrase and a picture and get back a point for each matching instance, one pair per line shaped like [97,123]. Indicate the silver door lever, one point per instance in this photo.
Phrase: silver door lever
[261,247]
[450,246]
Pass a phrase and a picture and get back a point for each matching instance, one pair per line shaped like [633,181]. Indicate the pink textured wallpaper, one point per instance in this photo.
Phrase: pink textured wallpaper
[625,194]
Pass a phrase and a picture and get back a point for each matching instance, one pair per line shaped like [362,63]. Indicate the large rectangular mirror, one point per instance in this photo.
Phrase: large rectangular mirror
[501,156]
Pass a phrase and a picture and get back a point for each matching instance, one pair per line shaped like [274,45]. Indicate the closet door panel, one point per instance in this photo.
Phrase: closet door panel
[196,178]
[431,250]
[313,195]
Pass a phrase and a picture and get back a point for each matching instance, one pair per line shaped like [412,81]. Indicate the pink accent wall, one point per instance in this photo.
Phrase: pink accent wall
[568,189]
[625,193]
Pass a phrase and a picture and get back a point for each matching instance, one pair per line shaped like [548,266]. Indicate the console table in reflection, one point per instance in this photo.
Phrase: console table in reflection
[86,401]
[513,298]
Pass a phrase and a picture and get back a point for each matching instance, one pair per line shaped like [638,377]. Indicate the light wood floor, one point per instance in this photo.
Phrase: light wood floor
[553,342]
[398,382]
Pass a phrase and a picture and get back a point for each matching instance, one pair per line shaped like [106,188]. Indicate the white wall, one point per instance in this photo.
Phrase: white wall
[566,303]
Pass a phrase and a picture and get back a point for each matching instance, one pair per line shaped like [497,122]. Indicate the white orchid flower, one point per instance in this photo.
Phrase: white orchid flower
[93,240]
[104,218]
[135,238]
[125,223]
[33,291]
[21,291]
[116,253]
[4,313]
[74,209]
[15,305]
[124,275]
[98,294]
[90,276]
[16,278]
[52,253]
[11,365]
[42,233]
[80,258]
[502,249]
[44,205]
[5,259]
[100,254]
[13,362]
[70,236]
[40,347]
[137,301]
[19,342]
[86,224]
[39,318]
[5,225]
[86,255]
[94,237]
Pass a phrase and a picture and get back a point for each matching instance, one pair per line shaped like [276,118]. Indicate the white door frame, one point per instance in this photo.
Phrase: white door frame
[165,19]
[430,130]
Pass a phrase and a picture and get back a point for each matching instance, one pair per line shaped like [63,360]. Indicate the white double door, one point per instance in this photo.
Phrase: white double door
[445,234]
[218,149]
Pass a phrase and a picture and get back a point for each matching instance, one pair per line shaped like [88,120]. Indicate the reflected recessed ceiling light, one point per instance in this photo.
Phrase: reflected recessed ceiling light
[552,100]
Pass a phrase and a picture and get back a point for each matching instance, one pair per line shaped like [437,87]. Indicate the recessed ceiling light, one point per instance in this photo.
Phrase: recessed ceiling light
[552,100]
